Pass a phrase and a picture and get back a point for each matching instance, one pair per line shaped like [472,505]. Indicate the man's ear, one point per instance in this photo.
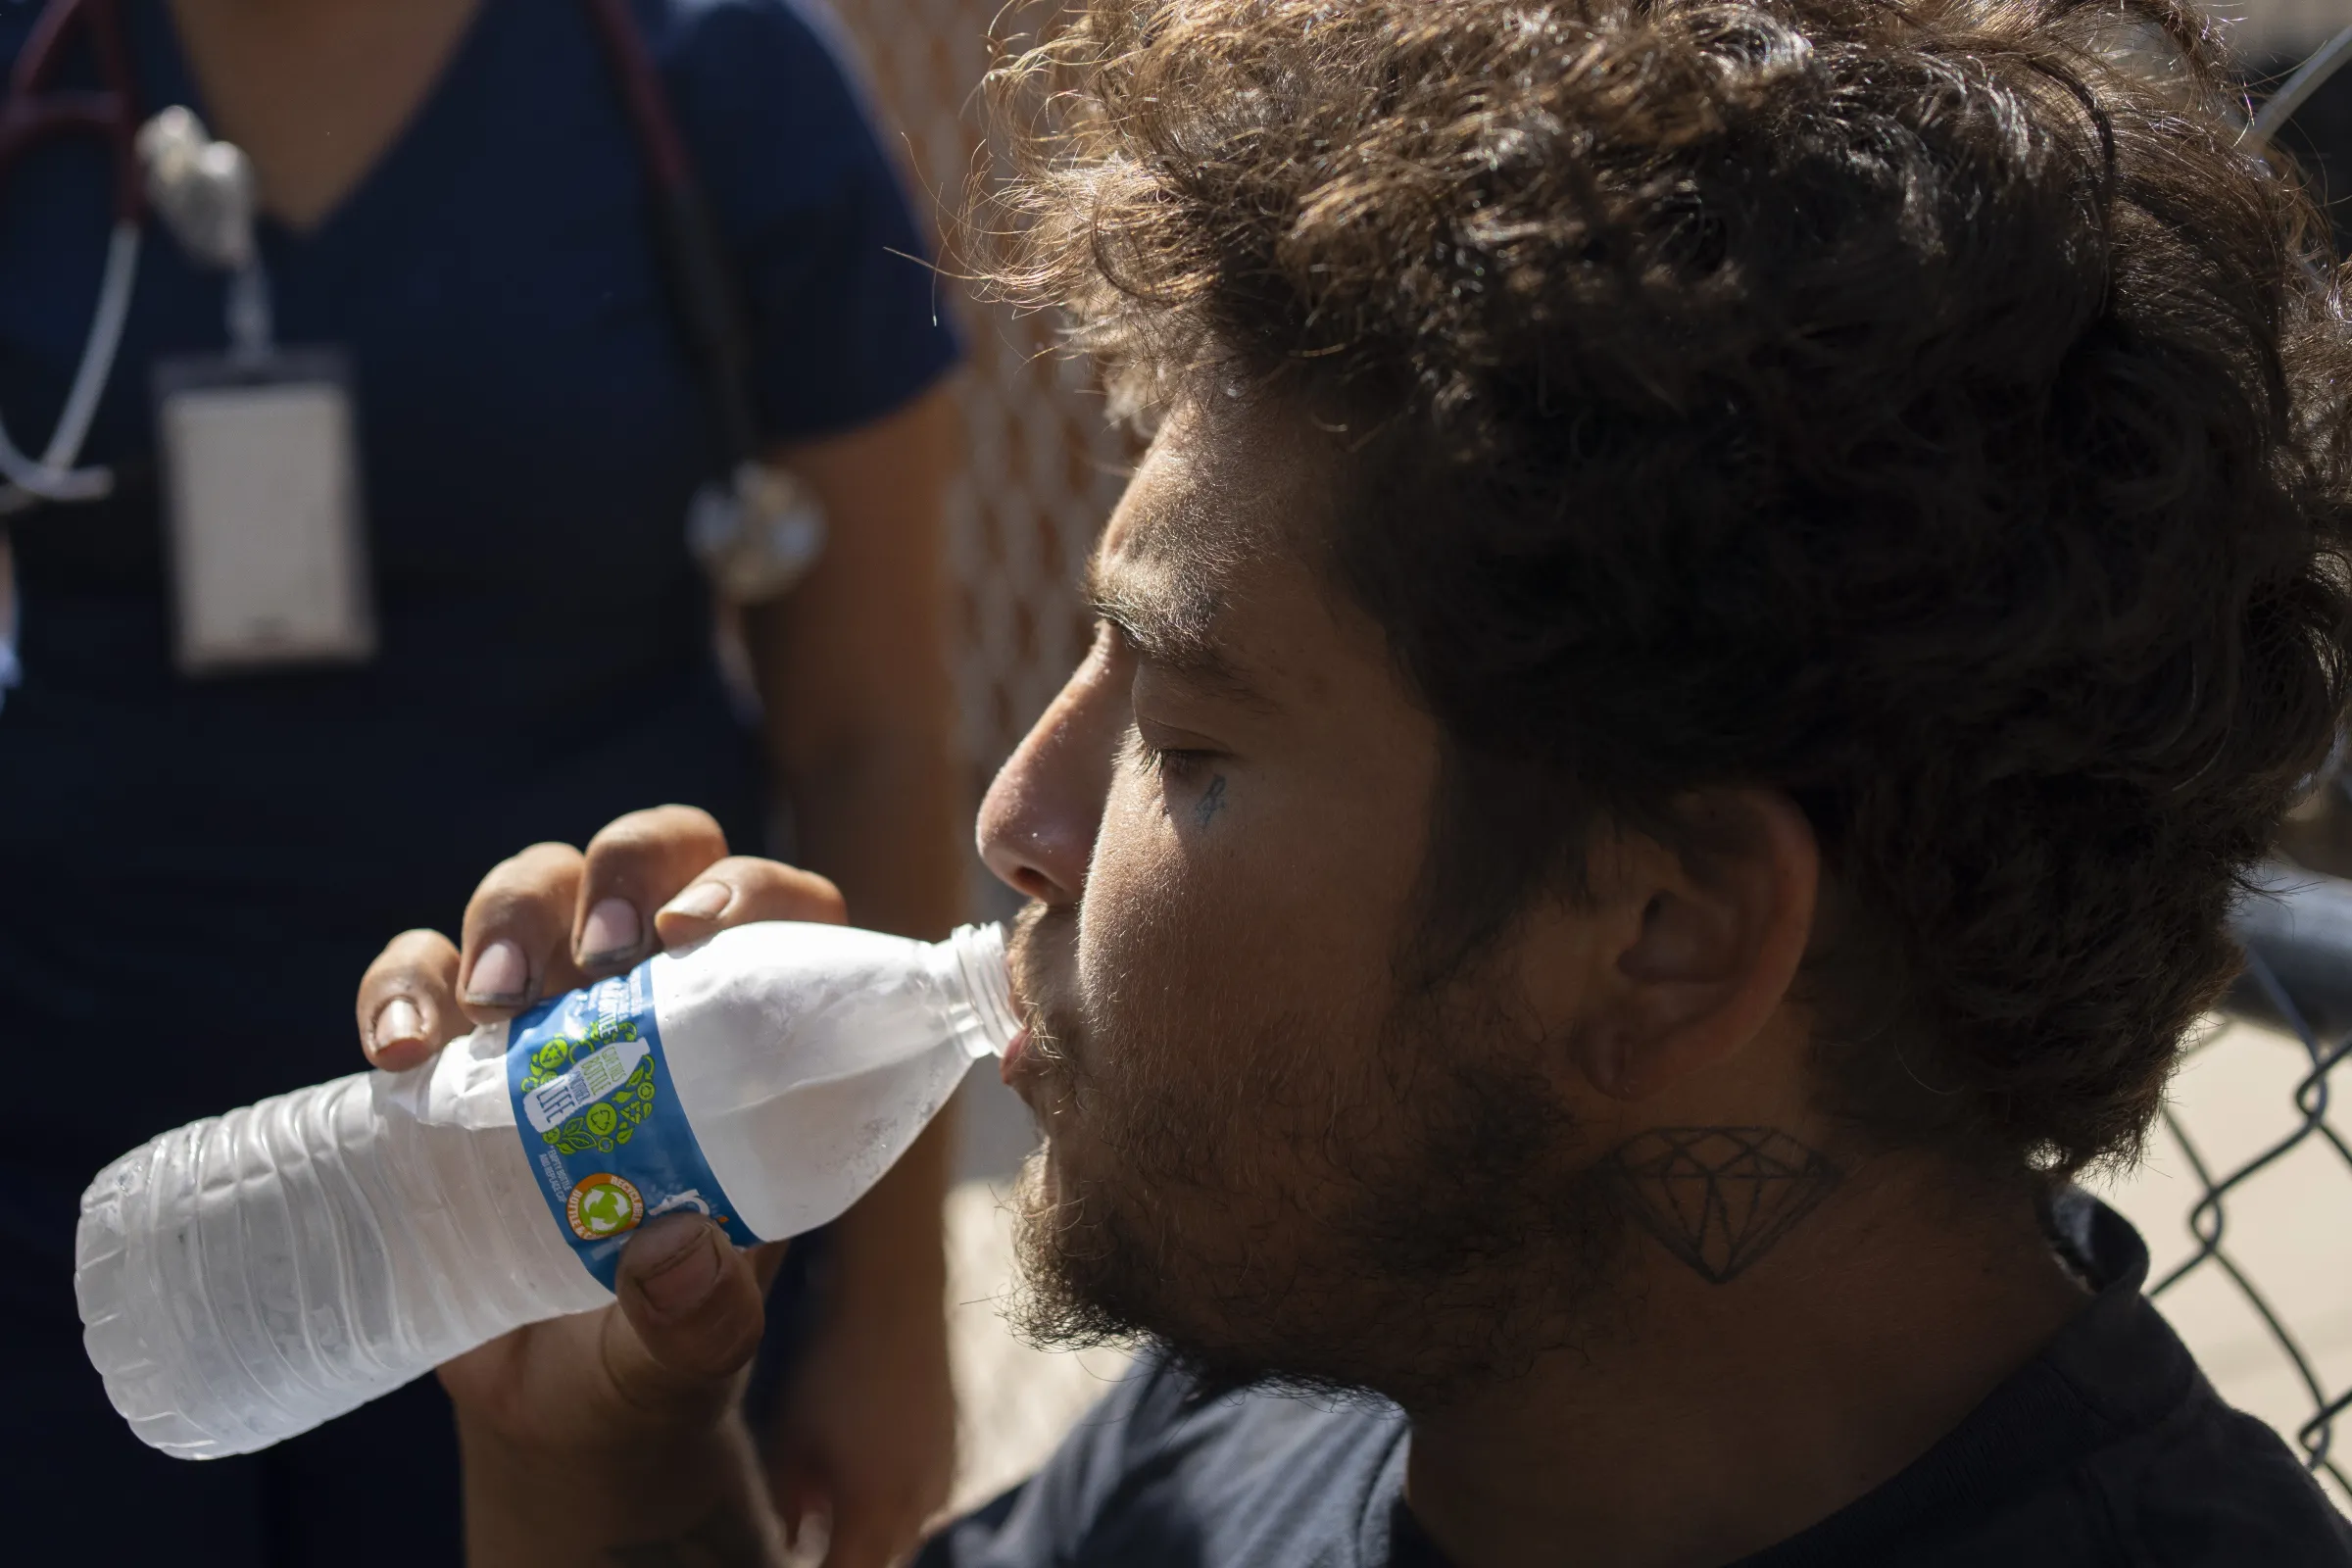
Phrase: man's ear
[1705,940]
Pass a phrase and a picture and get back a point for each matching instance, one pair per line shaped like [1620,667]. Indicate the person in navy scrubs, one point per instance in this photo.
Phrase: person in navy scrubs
[193,870]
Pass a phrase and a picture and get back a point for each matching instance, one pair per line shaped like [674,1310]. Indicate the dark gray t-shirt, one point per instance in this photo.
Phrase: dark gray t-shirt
[2109,1449]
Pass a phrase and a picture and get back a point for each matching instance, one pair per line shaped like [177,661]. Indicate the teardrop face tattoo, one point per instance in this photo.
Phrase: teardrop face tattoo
[1212,800]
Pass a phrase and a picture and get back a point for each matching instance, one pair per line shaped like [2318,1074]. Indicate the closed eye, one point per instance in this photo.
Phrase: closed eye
[1174,764]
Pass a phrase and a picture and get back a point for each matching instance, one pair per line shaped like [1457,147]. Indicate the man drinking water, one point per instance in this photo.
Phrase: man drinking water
[1721,598]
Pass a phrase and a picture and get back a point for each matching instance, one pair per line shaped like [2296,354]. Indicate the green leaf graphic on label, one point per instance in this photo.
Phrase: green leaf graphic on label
[612,1120]
[609,1143]
[561,1054]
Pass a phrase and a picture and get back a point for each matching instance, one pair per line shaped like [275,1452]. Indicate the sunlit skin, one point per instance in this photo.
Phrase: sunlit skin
[1263,1148]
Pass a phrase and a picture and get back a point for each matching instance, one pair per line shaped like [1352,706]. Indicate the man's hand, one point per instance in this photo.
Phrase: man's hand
[647,1387]
[553,919]
[614,1436]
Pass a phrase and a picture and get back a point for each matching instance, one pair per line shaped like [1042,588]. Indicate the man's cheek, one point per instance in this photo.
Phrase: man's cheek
[1141,895]
[1179,910]
[1159,954]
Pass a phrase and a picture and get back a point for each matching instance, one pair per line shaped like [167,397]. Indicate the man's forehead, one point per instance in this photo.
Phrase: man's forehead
[1227,494]
[1210,526]
[1172,601]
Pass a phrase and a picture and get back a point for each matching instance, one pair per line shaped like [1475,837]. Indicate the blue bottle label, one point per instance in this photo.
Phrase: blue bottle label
[601,1121]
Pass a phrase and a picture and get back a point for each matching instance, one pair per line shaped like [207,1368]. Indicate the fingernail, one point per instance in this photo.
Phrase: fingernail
[499,976]
[397,1023]
[704,900]
[676,1264]
[612,931]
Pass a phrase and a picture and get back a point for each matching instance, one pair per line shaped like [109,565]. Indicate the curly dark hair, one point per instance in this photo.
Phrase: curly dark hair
[1928,408]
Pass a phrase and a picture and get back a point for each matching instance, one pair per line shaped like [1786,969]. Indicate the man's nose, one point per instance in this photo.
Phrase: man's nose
[1037,827]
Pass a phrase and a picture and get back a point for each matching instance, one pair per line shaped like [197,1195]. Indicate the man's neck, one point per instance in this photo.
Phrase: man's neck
[1741,1413]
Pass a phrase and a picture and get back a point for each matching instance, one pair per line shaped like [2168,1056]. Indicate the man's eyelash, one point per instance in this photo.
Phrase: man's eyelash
[1177,762]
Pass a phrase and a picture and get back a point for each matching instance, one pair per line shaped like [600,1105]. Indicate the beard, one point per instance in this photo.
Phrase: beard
[1396,1203]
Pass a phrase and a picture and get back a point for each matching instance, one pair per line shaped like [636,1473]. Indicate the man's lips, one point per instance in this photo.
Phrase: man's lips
[1010,1063]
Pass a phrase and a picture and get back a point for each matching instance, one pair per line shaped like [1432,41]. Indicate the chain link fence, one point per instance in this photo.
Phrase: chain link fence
[2247,1181]
[2209,1225]
[1046,466]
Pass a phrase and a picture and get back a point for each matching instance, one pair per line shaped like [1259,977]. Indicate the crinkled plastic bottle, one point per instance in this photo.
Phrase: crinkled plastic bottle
[249,1276]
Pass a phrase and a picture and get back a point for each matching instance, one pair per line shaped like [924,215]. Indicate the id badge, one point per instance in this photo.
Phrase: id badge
[261,490]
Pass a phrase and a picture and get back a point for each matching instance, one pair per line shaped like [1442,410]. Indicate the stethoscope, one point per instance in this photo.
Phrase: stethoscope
[204,190]
[30,116]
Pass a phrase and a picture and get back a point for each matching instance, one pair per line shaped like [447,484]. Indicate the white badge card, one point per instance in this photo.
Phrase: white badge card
[261,489]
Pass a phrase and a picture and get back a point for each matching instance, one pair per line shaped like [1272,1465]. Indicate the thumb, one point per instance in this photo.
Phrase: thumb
[689,1320]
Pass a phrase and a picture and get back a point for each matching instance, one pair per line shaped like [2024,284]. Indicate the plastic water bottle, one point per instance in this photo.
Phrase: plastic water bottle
[249,1276]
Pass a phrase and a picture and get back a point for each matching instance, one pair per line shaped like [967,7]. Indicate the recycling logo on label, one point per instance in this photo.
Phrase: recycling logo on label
[603,1205]
[600,1122]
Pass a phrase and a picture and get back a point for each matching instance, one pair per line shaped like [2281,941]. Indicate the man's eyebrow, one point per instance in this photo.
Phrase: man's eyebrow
[1174,631]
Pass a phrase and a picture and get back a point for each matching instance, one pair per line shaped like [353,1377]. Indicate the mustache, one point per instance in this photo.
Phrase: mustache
[1042,939]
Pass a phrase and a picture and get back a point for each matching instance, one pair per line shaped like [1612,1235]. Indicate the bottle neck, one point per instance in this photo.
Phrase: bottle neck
[979,983]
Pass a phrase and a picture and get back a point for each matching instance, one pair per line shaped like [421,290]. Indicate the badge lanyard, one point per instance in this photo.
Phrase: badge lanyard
[31,114]
[258,447]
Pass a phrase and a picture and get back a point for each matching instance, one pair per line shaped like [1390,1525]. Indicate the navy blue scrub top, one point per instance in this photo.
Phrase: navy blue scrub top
[193,873]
